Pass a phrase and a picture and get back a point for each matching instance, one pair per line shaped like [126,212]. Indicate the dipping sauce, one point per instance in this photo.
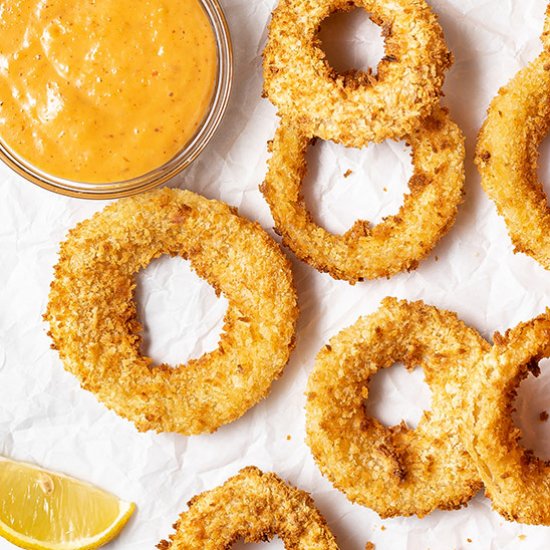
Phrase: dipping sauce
[103,90]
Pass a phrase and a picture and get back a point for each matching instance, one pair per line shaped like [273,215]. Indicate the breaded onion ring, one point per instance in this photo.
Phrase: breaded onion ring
[395,471]
[399,242]
[508,151]
[355,108]
[515,480]
[255,507]
[93,323]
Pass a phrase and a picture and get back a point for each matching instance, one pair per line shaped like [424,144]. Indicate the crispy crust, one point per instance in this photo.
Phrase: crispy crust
[93,323]
[255,507]
[356,108]
[395,471]
[515,480]
[397,244]
[508,151]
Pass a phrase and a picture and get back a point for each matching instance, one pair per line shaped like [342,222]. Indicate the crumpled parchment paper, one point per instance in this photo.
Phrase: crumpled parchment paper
[46,418]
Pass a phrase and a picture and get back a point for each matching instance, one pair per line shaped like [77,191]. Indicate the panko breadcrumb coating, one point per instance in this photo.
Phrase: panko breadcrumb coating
[92,313]
[399,242]
[357,107]
[395,471]
[517,482]
[508,152]
[254,507]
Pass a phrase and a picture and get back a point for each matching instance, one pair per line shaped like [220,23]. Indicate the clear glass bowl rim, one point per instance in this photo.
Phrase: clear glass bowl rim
[174,166]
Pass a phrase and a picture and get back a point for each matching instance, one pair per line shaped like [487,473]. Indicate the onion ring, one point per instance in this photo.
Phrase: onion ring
[93,322]
[401,241]
[355,108]
[255,507]
[394,471]
[515,480]
[508,151]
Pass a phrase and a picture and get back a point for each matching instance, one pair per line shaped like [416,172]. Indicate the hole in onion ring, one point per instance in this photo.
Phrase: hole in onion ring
[181,315]
[543,167]
[367,184]
[397,394]
[275,544]
[350,40]
[532,411]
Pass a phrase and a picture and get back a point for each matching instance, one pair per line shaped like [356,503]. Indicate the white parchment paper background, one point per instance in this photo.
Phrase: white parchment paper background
[46,418]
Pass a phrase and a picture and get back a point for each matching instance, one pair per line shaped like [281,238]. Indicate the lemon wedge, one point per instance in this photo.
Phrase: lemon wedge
[44,510]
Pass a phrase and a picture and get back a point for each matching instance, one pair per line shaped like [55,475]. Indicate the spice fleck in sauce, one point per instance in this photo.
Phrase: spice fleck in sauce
[103,90]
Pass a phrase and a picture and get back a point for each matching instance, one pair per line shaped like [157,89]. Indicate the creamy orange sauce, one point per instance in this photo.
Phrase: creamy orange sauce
[103,90]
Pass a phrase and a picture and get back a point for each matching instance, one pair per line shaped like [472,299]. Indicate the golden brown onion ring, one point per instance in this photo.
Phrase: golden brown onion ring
[508,151]
[515,480]
[395,471]
[355,108]
[399,242]
[93,323]
[254,507]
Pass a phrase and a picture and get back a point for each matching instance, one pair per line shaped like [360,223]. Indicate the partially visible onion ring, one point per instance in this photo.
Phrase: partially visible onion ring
[515,479]
[356,108]
[399,242]
[395,471]
[93,319]
[254,507]
[508,151]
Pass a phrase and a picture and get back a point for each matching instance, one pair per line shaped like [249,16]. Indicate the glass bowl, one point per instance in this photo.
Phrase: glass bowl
[184,158]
